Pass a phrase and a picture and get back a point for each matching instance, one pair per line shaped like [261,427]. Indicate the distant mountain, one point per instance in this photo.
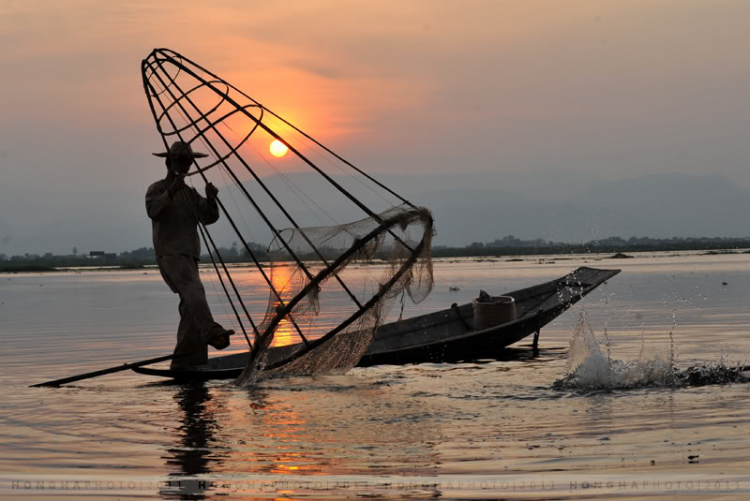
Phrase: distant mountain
[566,207]
[659,206]
[663,205]
[546,186]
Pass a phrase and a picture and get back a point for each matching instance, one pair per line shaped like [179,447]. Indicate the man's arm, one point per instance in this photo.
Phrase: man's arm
[208,208]
[157,198]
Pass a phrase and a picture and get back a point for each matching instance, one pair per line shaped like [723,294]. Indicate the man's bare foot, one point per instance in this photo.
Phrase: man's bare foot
[220,339]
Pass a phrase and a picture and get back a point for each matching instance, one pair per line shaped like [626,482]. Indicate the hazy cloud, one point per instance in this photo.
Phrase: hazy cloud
[614,89]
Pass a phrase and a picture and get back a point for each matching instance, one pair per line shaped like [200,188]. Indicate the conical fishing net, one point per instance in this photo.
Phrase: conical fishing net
[340,246]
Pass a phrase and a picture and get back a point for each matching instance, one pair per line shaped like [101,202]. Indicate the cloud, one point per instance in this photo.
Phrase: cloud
[317,69]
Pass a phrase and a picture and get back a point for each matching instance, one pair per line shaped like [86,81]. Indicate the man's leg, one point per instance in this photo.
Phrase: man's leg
[189,342]
[183,275]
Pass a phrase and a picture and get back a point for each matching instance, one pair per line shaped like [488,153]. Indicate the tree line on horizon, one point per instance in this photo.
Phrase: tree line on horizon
[508,245]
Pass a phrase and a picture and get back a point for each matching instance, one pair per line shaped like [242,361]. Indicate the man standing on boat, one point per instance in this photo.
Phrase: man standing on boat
[175,211]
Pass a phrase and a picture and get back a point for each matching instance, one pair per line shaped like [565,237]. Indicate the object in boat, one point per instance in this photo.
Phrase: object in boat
[443,336]
[490,311]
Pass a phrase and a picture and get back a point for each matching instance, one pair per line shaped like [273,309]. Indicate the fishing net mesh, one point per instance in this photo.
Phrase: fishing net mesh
[366,266]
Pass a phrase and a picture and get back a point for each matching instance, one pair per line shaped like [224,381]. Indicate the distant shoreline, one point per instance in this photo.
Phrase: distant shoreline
[582,249]
[480,255]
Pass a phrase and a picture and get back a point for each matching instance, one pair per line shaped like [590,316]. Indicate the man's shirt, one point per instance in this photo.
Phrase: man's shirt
[174,220]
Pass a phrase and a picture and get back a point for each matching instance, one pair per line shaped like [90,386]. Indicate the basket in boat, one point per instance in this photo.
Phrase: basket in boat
[500,310]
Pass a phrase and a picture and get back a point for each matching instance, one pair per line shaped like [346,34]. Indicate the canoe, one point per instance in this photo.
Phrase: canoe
[443,336]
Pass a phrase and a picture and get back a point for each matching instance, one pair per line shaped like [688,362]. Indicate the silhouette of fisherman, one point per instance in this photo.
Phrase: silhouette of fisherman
[175,210]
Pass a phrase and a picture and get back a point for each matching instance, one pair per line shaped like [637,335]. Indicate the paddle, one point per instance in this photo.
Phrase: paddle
[123,367]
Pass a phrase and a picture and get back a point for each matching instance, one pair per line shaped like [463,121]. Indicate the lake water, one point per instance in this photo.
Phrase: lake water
[482,430]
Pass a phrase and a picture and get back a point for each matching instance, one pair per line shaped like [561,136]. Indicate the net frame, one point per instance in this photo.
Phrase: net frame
[161,71]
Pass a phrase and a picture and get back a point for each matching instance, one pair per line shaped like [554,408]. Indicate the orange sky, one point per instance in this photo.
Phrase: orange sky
[405,76]
[616,88]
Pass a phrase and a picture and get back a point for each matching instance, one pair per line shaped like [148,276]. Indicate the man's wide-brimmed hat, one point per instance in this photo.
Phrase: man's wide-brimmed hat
[180,149]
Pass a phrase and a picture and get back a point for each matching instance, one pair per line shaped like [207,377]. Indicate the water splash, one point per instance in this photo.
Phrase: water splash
[590,369]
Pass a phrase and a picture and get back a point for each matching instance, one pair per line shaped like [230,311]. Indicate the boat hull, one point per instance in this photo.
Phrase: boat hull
[444,336]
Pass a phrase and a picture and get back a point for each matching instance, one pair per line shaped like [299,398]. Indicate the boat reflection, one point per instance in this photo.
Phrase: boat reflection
[196,454]
[294,426]
[276,444]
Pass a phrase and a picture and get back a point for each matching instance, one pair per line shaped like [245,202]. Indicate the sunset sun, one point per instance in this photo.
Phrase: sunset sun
[278,149]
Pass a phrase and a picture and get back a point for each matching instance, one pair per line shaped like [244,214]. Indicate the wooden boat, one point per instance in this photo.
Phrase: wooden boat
[443,336]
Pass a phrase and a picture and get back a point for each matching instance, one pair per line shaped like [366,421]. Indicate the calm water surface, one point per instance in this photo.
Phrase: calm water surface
[479,430]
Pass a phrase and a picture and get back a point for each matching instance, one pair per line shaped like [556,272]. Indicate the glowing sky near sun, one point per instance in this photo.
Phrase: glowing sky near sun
[615,89]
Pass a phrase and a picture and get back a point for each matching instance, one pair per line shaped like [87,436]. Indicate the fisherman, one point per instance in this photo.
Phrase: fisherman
[175,211]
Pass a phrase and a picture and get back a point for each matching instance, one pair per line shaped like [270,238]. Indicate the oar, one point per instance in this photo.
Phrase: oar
[123,367]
